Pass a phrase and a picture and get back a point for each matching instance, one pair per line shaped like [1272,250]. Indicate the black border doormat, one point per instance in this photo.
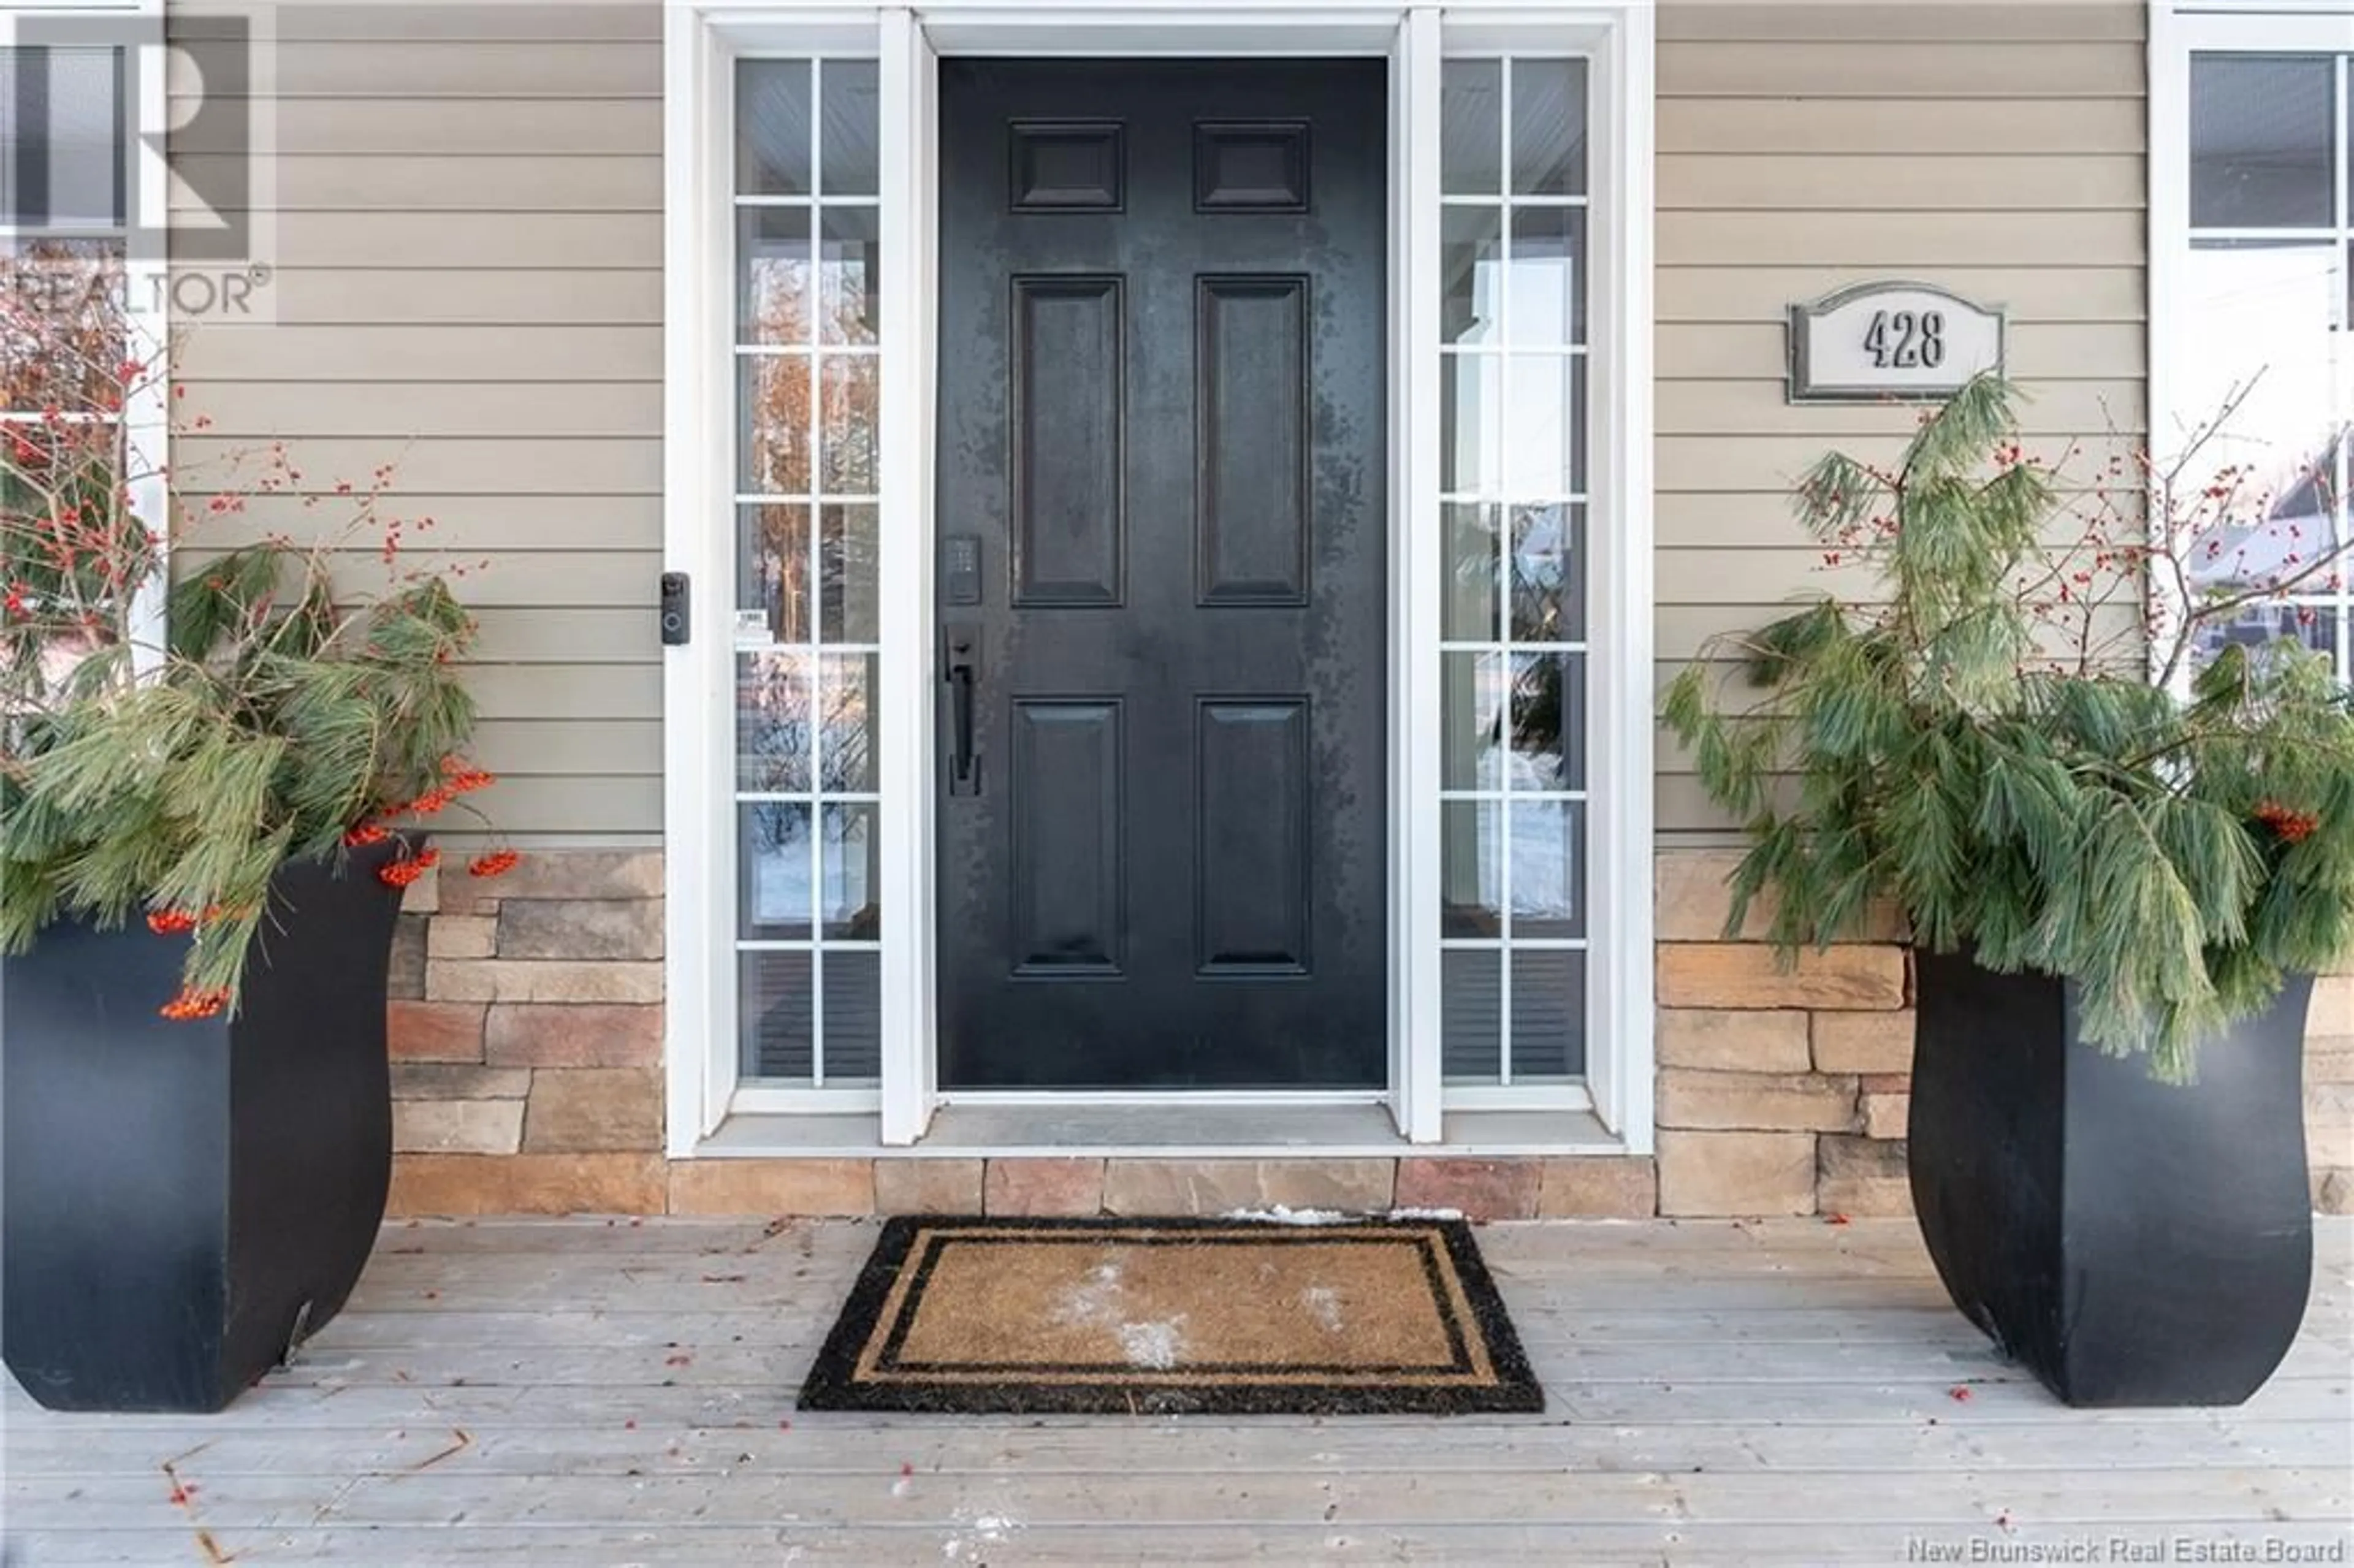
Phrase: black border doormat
[1107,1316]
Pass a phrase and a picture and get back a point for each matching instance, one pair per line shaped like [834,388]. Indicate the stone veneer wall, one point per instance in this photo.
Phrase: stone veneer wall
[1786,1091]
[527,1031]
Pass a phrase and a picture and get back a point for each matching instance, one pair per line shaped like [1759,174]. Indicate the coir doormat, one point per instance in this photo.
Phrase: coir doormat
[1158,1316]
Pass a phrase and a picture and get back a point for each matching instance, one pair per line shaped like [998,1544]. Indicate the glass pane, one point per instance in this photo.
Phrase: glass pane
[773,847]
[1470,401]
[1470,870]
[772,288]
[772,723]
[1545,438]
[772,127]
[1548,722]
[1548,127]
[849,612]
[850,280]
[1548,1015]
[2264,353]
[1470,1015]
[1548,602]
[852,390]
[1470,260]
[1474,541]
[1548,853]
[773,458]
[849,140]
[1471,707]
[2314,626]
[854,1016]
[1471,128]
[851,870]
[772,572]
[1548,276]
[61,127]
[846,731]
[773,1013]
[2260,140]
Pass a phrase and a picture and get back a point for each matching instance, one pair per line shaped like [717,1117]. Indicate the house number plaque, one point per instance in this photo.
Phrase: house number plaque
[1889,340]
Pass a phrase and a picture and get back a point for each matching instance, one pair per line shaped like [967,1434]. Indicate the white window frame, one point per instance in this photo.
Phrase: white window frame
[2177,31]
[147,298]
[702,37]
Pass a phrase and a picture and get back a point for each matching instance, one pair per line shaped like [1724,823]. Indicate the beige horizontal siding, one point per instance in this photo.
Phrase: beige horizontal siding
[1907,21]
[468,286]
[1997,150]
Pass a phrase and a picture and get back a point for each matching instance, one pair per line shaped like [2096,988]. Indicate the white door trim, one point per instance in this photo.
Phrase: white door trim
[701,36]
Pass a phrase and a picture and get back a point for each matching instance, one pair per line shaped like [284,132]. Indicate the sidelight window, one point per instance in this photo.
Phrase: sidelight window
[2265,292]
[806,642]
[1512,365]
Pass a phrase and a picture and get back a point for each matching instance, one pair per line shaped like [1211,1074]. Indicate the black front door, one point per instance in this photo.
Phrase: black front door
[1162,817]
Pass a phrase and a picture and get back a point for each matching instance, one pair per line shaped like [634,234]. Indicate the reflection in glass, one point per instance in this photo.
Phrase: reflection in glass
[61,164]
[1548,595]
[1548,722]
[854,1016]
[774,1013]
[772,283]
[1472,712]
[849,274]
[1471,128]
[1470,871]
[1548,127]
[773,570]
[772,127]
[773,402]
[846,723]
[1470,400]
[850,385]
[2268,625]
[851,873]
[848,145]
[1470,266]
[1548,1013]
[848,612]
[1470,1015]
[2260,140]
[1545,447]
[772,723]
[1548,277]
[1548,855]
[772,848]
[1474,541]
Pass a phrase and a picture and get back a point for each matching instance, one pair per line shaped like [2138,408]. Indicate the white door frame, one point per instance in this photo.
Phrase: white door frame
[702,39]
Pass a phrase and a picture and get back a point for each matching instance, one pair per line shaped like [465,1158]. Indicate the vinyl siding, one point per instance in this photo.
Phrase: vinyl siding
[1998,150]
[468,285]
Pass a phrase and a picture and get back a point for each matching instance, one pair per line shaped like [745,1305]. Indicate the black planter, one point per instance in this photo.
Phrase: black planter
[180,1202]
[2134,1243]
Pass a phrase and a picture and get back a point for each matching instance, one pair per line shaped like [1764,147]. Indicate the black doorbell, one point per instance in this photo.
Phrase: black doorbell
[674,609]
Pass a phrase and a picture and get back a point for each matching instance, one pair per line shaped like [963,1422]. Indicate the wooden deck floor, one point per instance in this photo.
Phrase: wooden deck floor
[583,1393]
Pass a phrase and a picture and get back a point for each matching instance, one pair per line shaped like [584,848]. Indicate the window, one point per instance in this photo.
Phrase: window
[2256,396]
[806,638]
[1512,621]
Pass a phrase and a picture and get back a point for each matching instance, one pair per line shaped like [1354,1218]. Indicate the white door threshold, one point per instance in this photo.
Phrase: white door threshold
[1155,1131]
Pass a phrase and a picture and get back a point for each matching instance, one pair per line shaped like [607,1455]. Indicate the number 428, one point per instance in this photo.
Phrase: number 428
[1903,340]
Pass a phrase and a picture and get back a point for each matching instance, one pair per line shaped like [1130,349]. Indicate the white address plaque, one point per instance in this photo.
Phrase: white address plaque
[1889,340]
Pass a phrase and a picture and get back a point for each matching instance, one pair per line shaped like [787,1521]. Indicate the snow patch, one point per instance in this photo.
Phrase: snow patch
[1425,1213]
[1323,1304]
[1154,1345]
[1281,1215]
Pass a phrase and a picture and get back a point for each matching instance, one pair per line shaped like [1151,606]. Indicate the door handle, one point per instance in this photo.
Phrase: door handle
[963,670]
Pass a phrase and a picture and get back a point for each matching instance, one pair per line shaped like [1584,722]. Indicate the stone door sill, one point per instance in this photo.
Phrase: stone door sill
[1226,1132]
